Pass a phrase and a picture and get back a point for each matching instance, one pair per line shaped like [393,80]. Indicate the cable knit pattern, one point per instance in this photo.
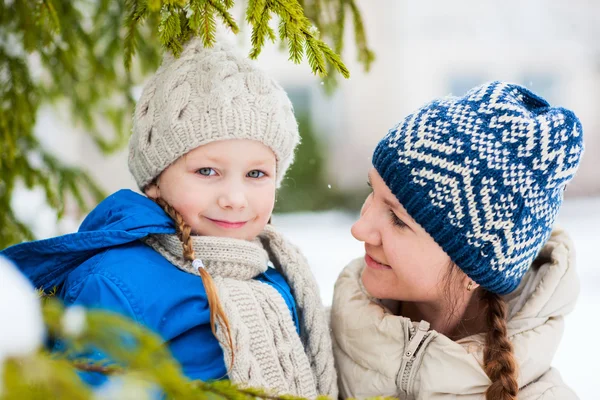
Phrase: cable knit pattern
[268,351]
[315,327]
[203,96]
[223,257]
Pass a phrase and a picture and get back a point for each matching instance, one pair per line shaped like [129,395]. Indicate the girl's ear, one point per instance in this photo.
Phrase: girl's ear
[152,191]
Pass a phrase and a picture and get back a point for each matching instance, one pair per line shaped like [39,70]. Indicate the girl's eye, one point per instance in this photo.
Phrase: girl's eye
[206,171]
[397,221]
[255,174]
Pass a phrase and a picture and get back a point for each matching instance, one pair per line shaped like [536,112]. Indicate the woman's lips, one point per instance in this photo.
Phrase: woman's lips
[371,263]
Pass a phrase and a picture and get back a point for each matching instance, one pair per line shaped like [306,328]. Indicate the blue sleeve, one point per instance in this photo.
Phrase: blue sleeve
[166,300]
[102,292]
[99,292]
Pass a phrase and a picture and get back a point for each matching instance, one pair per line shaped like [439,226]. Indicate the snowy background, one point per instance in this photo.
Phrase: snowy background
[424,50]
[327,243]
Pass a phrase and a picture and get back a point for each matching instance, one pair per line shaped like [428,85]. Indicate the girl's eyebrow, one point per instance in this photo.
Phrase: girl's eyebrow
[206,158]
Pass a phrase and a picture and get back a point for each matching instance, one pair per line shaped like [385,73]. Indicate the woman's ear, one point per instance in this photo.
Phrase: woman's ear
[152,190]
[469,284]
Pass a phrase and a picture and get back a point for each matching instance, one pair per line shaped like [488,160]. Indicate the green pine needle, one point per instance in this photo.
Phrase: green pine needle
[86,52]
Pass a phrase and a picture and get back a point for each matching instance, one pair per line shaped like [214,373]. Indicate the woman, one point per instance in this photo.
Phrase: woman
[465,282]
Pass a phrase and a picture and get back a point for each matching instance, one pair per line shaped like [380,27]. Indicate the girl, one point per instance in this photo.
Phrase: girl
[464,285]
[196,260]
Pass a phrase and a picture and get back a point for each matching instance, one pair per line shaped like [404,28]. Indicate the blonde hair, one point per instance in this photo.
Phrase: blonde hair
[184,232]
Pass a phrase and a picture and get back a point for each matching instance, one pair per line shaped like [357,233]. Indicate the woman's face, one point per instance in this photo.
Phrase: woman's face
[403,261]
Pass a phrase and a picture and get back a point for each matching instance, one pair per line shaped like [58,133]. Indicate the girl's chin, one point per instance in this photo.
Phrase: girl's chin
[246,233]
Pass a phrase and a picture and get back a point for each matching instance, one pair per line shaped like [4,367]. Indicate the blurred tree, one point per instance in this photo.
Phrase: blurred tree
[90,53]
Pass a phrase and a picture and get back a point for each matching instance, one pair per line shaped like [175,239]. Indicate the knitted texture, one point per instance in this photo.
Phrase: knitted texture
[484,175]
[203,96]
[268,351]
[315,331]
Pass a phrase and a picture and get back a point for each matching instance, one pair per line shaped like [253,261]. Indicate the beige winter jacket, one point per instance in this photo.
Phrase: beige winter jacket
[378,353]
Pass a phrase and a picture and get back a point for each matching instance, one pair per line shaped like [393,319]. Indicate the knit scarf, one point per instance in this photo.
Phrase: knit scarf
[268,352]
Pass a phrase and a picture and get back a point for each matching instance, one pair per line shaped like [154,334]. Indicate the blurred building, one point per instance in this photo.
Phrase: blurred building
[428,49]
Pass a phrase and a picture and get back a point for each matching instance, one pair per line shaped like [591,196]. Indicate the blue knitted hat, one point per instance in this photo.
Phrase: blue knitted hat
[484,175]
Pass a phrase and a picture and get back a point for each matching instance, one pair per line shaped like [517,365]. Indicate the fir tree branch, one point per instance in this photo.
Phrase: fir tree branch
[294,40]
[338,36]
[47,12]
[41,377]
[209,25]
[365,55]
[136,14]
[259,19]
[314,55]
[133,353]
[227,18]
[86,52]
[94,366]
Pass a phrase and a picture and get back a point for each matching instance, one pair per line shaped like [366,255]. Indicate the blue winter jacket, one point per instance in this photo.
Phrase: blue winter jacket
[105,265]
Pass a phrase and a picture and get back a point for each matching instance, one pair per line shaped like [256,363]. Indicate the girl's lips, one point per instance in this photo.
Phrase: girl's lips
[227,224]
[374,264]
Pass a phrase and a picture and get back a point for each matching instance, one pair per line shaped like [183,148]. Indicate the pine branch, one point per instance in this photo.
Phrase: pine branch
[154,5]
[11,229]
[338,36]
[365,55]
[169,27]
[95,366]
[86,52]
[46,12]
[317,12]
[222,10]
[133,353]
[260,17]
[294,40]
[334,59]
[41,377]
[314,55]
[209,25]
[136,14]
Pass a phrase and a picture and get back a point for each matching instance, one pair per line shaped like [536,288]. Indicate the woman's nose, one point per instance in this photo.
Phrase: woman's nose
[365,229]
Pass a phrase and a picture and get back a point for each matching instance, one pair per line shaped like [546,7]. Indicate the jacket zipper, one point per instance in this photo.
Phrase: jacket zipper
[417,337]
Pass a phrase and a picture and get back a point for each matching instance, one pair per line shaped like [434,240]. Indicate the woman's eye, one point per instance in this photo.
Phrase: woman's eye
[255,174]
[206,171]
[397,221]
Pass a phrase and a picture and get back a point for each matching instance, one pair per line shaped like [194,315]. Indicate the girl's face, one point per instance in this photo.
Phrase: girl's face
[225,188]
[403,261]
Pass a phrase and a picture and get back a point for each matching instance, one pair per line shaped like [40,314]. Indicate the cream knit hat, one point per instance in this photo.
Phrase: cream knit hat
[205,95]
